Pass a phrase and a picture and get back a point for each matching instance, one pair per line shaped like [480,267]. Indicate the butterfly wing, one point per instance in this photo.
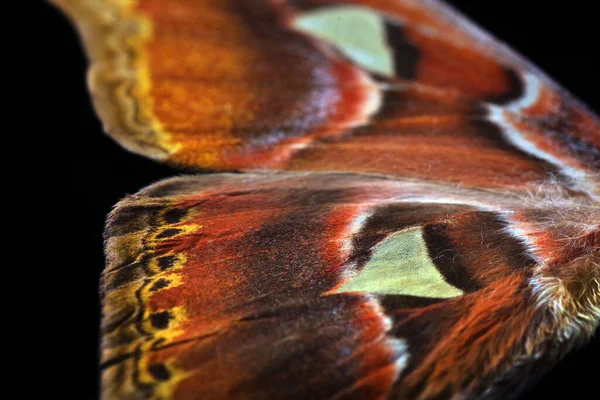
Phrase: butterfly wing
[402,88]
[336,286]
[462,260]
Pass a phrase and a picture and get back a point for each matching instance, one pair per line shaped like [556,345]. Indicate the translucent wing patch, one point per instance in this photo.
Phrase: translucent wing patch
[360,33]
[401,264]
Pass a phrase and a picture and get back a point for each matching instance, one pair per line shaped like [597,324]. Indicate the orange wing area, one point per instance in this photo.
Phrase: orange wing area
[235,85]
[236,286]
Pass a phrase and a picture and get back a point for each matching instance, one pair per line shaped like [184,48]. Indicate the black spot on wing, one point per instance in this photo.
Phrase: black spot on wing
[167,233]
[174,215]
[159,372]
[514,91]
[159,284]
[166,262]
[406,55]
[160,320]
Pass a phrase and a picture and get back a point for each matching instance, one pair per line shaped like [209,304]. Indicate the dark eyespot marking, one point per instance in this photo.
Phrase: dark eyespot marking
[166,262]
[174,215]
[160,320]
[159,372]
[159,284]
[167,233]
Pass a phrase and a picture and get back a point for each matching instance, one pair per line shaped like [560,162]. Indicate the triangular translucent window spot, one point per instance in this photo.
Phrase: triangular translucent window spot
[358,32]
[400,264]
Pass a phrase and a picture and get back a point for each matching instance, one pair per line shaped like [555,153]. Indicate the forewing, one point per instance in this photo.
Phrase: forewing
[401,88]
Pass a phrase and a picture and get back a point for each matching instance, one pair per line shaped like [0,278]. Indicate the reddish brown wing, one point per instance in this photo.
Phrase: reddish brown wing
[278,286]
[462,264]
[247,85]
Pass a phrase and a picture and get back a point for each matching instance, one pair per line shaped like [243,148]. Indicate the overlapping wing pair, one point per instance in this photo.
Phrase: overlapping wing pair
[421,219]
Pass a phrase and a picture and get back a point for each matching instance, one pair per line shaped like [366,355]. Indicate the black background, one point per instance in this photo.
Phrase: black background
[80,173]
